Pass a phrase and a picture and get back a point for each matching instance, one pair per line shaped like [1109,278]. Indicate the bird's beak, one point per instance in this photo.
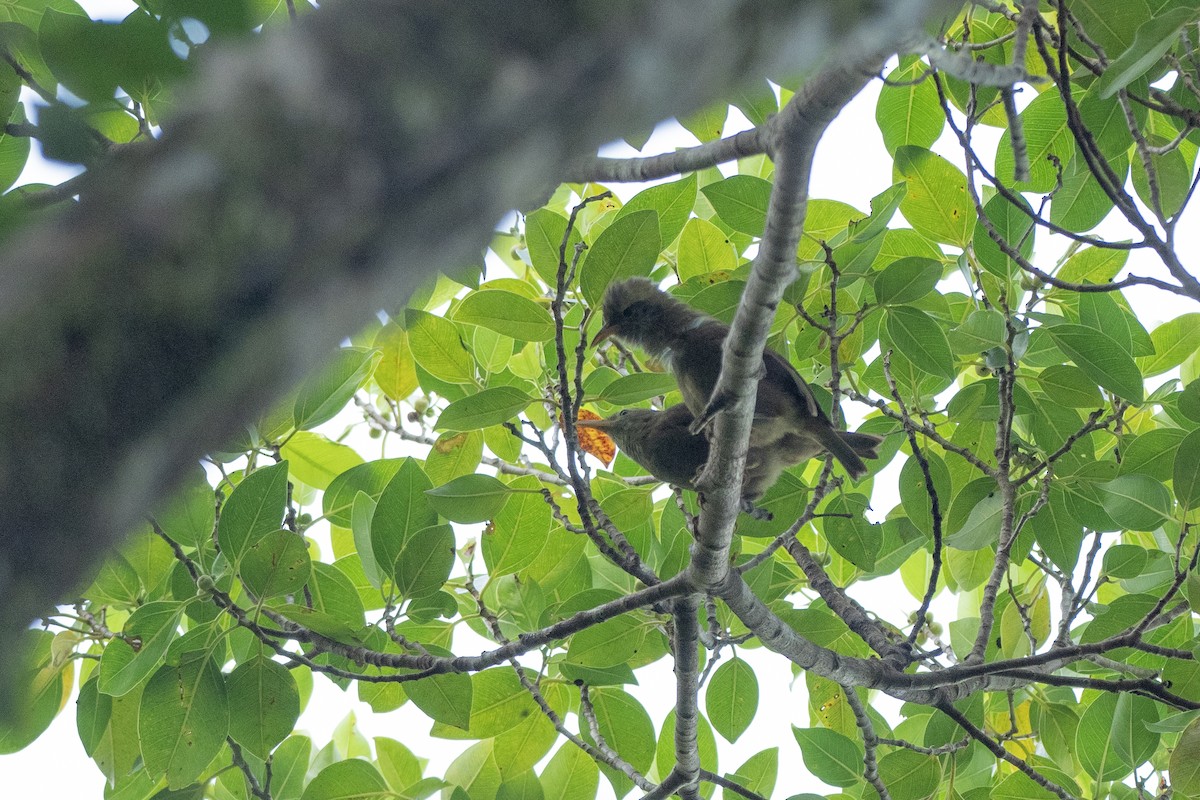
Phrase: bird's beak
[598,424]
[605,332]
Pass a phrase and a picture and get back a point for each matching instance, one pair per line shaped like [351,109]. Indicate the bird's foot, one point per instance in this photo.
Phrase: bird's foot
[716,404]
[760,514]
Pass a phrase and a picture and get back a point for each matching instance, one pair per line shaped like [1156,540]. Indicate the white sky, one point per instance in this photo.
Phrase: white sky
[852,166]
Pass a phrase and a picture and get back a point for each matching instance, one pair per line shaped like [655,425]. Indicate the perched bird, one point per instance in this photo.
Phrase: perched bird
[662,442]
[788,422]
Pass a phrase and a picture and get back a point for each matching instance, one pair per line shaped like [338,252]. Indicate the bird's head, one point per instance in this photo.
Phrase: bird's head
[627,425]
[637,311]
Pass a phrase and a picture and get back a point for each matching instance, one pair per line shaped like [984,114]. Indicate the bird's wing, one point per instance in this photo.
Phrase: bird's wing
[781,373]
[696,362]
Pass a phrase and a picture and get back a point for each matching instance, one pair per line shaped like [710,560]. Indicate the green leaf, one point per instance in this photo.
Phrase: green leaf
[757,104]
[117,583]
[482,409]
[1136,502]
[1174,341]
[703,248]
[1015,226]
[278,563]
[914,495]
[883,208]
[493,351]
[910,774]
[830,756]
[571,775]
[93,716]
[471,498]
[544,231]
[396,373]
[402,510]
[757,774]
[1153,39]
[612,642]
[369,478]
[316,461]
[1153,453]
[1101,358]
[1172,171]
[78,53]
[1069,386]
[519,530]
[627,248]
[183,720]
[37,685]
[937,204]
[1112,736]
[360,529]
[707,123]
[1093,265]
[437,347]
[267,705]
[444,698]
[921,340]
[1186,476]
[630,389]
[14,150]
[507,313]
[400,768]
[352,779]
[424,562]
[907,280]
[982,330]
[626,726]
[1047,137]
[671,201]
[498,702]
[982,527]
[740,202]
[189,515]
[909,113]
[323,396]
[526,744]
[1185,762]
[154,626]
[1082,204]
[853,538]
[321,622]
[1124,561]
[732,698]
[333,594]
[454,455]
[289,765]
[1102,312]
[254,509]
[10,82]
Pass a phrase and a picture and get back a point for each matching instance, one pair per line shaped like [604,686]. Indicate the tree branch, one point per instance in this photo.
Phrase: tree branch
[794,136]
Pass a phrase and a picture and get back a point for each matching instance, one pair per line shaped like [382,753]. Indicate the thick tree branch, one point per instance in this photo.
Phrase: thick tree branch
[686,647]
[686,159]
[794,137]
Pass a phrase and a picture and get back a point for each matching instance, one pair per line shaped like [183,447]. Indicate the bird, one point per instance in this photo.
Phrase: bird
[788,424]
[663,444]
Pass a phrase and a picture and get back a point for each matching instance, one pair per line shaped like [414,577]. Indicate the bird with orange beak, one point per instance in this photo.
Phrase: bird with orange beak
[789,425]
[663,444]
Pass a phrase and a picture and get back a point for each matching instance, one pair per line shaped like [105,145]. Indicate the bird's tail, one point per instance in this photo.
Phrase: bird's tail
[850,448]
